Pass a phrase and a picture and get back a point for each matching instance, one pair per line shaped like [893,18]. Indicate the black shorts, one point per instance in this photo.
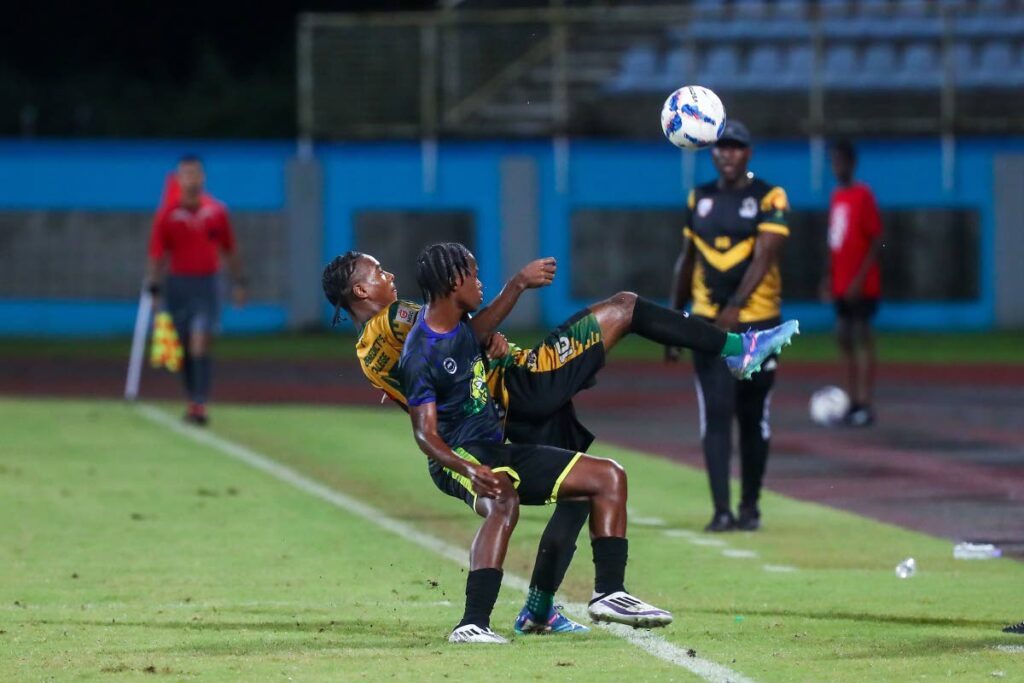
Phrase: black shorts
[536,471]
[194,304]
[538,385]
[859,309]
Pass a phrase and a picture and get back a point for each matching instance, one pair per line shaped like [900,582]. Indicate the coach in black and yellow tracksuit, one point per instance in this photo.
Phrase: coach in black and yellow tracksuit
[735,227]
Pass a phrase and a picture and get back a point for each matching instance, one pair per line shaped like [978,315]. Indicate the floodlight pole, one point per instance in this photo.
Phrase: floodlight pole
[816,104]
[428,105]
[560,95]
[304,85]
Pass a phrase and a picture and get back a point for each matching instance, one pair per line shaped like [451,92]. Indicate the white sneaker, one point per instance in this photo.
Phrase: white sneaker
[475,634]
[622,608]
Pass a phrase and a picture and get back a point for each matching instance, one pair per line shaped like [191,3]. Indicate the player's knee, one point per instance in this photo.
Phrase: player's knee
[615,477]
[506,506]
[625,302]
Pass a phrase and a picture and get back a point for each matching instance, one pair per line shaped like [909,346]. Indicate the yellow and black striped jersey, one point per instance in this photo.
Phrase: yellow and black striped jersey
[379,346]
[723,225]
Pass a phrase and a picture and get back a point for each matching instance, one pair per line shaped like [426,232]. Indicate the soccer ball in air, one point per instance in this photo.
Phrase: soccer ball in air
[829,405]
[693,117]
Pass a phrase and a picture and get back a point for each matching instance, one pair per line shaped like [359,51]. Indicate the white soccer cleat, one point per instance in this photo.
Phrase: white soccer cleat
[622,608]
[475,634]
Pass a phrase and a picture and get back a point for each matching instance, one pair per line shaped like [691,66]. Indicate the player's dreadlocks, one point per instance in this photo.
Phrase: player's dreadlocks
[337,282]
[440,267]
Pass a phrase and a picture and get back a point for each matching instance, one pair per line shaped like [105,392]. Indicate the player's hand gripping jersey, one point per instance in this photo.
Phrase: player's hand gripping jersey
[723,225]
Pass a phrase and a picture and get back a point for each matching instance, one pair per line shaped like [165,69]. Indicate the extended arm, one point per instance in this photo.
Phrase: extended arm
[682,277]
[240,286]
[156,270]
[766,253]
[424,429]
[535,274]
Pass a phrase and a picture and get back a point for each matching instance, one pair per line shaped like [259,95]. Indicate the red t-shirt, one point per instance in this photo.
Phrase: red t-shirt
[853,224]
[193,238]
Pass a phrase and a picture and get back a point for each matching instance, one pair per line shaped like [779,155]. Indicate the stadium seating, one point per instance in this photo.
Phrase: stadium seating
[841,67]
[721,68]
[869,44]
[919,68]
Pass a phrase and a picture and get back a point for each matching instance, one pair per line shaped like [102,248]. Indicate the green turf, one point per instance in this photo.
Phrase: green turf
[966,347]
[128,549]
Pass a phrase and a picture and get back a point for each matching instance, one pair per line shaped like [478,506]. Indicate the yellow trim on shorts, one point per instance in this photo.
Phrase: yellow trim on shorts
[464,481]
[558,482]
[511,473]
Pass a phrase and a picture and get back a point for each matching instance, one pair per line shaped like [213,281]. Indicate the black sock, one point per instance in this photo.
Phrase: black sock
[482,587]
[188,375]
[558,544]
[673,328]
[201,387]
[609,564]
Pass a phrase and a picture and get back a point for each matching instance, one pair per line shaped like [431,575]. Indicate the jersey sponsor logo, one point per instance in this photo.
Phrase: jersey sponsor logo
[531,360]
[748,208]
[704,206]
[406,313]
[450,366]
[564,349]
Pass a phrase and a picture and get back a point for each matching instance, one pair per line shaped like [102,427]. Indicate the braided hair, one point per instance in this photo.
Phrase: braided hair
[440,267]
[337,282]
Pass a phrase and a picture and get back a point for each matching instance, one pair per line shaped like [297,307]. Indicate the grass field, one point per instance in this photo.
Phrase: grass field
[980,347]
[129,551]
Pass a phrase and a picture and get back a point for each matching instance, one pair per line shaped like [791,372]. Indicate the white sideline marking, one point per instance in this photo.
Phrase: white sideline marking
[738,553]
[679,533]
[1012,649]
[645,640]
[779,568]
[646,521]
[709,542]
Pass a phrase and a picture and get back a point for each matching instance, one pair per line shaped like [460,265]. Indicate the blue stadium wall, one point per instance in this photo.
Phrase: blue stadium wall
[388,176]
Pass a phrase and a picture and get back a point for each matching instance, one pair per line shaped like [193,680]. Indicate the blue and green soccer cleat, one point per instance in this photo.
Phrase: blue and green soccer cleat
[758,346]
[556,623]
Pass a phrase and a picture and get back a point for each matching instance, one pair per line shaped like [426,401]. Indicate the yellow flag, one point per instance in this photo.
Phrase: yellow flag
[165,350]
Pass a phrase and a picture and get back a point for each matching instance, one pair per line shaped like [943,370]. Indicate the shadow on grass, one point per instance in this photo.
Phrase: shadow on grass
[867,617]
[314,635]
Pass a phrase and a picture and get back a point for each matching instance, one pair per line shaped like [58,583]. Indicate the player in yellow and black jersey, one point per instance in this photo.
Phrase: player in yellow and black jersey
[534,387]
[729,269]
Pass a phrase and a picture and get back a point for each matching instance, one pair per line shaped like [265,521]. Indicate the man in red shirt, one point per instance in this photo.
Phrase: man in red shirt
[190,233]
[855,283]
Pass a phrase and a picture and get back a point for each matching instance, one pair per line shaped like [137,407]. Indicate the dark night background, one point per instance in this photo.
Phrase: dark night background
[155,69]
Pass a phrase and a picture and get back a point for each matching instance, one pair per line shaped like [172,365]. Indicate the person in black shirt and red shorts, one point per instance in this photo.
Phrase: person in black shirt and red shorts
[735,228]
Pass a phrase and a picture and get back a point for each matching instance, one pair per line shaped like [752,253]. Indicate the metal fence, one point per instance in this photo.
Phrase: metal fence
[787,68]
